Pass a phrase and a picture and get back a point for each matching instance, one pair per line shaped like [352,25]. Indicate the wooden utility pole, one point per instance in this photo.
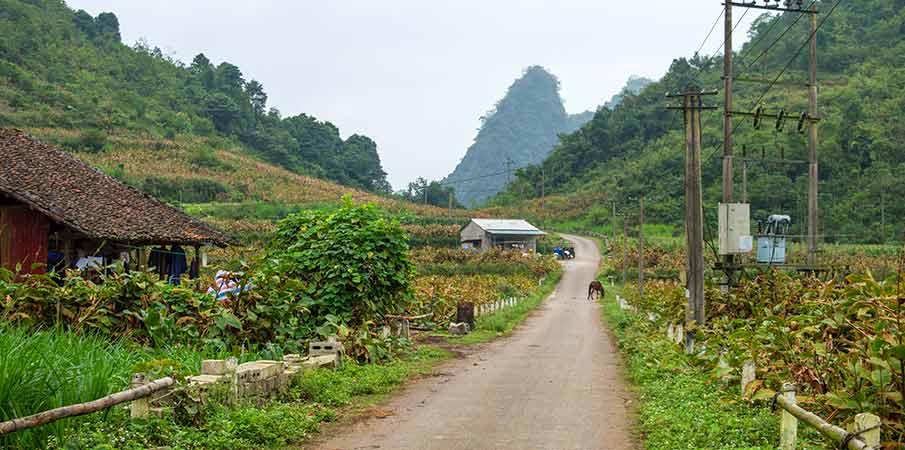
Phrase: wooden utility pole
[641,247]
[745,182]
[812,140]
[694,206]
[692,106]
[728,171]
[613,222]
[727,99]
[624,252]
[543,196]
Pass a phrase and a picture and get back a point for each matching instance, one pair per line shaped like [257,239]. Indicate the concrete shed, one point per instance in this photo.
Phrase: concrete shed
[485,234]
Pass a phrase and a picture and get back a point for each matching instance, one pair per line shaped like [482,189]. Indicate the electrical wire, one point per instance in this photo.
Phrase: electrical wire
[713,27]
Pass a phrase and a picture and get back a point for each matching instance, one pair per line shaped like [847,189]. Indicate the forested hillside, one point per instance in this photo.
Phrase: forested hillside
[521,128]
[633,86]
[637,148]
[67,70]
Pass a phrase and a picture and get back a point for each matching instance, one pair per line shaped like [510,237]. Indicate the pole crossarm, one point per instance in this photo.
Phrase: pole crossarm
[771,8]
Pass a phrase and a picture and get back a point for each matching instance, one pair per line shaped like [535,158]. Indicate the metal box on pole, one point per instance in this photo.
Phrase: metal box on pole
[734,228]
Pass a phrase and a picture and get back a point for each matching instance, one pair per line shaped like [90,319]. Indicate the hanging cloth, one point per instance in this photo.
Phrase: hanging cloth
[178,264]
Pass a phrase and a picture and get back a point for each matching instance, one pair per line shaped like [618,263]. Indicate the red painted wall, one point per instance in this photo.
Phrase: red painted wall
[24,237]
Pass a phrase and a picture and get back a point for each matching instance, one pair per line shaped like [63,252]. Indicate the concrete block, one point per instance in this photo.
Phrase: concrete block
[323,348]
[680,334]
[205,379]
[459,328]
[213,367]
[315,362]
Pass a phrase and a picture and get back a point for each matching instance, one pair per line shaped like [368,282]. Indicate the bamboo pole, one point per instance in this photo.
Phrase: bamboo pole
[825,428]
[63,412]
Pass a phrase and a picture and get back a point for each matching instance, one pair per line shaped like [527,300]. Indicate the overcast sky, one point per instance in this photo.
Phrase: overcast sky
[415,75]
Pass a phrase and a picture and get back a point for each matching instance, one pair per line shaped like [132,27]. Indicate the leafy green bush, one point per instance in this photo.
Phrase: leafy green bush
[352,263]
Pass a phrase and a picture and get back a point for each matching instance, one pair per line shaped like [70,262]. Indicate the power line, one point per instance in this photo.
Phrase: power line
[737,23]
[776,41]
[787,65]
[713,27]
[798,52]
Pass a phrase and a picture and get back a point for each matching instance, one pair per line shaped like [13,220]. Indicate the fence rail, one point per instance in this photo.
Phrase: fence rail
[863,435]
[79,409]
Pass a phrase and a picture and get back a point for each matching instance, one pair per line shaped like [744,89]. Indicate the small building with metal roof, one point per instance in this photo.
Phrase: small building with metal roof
[484,234]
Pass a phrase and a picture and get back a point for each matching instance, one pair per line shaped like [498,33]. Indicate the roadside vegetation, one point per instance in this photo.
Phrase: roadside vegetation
[839,339]
[65,340]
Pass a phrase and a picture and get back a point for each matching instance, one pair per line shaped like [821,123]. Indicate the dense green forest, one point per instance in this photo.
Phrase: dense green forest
[522,127]
[637,148]
[633,86]
[61,68]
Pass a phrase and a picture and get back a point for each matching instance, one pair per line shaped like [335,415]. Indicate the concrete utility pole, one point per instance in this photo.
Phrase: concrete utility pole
[812,140]
[450,203]
[641,246]
[613,223]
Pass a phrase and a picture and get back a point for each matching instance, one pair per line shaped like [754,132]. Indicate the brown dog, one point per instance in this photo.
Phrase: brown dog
[595,287]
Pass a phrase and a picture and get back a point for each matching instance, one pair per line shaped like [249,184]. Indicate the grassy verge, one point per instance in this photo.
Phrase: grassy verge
[502,323]
[317,396]
[680,407]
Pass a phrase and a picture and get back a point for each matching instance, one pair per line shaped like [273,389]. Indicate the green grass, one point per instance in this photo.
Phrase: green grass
[488,328]
[680,407]
[46,369]
[315,397]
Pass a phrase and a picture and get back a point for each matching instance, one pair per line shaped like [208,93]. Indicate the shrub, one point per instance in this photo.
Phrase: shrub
[352,263]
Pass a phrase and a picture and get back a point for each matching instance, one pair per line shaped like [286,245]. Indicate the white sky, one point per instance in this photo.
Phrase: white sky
[415,75]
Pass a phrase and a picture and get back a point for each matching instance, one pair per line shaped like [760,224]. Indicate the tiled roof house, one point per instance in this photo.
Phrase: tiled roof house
[47,195]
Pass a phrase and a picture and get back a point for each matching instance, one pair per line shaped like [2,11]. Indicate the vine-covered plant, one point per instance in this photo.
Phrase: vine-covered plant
[352,263]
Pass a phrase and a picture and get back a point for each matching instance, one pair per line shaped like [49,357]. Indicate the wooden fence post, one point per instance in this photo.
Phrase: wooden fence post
[788,428]
[404,329]
[749,374]
[680,334]
[139,408]
[232,374]
[870,423]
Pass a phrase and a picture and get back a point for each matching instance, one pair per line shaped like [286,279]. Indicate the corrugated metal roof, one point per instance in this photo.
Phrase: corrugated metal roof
[507,226]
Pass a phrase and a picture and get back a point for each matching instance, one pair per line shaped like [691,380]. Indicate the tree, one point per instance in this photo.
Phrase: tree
[257,97]
[223,111]
[203,71]
[228,78]
[107,26]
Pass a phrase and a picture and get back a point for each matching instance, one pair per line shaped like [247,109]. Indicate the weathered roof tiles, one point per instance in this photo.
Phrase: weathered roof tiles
[75,194]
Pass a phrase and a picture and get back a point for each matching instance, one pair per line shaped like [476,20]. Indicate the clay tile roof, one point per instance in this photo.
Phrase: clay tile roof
[75,194]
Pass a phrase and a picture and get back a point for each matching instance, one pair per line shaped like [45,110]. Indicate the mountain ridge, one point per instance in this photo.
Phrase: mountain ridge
[521,129]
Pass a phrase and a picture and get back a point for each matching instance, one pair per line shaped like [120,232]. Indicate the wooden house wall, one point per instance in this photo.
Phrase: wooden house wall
[24,238]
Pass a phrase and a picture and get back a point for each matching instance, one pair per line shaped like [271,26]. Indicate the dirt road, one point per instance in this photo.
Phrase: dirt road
[556,383]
